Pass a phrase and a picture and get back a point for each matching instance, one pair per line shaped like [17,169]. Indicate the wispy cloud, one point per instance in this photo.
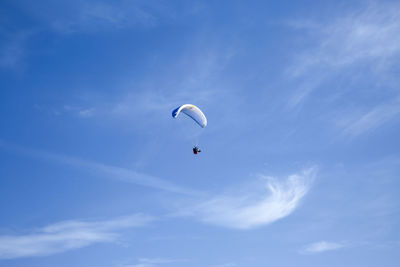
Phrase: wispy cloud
[13,48]
[193,76]
[228,264]
[86,16]
[146,262]
[109,171]
[80,111]
[256,207]
[367,39]
[97,16]
[322,246]
[369,120]
[67,235]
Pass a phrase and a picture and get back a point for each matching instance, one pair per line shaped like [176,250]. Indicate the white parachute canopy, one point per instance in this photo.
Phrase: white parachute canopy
[193,112]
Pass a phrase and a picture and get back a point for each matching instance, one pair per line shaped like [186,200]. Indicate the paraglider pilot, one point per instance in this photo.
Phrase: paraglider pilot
[196,150]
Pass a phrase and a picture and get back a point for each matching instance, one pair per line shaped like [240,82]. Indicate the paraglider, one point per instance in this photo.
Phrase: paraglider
[196,114]
[192,111]
[196,150]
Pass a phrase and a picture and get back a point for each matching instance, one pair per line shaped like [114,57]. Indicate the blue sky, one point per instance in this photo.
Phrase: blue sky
[300,160]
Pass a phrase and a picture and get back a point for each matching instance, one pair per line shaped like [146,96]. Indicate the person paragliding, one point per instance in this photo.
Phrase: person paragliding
[196,150]
[196,114]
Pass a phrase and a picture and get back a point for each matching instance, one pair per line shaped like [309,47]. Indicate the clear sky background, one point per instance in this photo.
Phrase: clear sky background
[300,163]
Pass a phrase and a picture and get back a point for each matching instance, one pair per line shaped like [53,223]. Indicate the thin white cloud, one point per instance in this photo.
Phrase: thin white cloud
[13,49]
[147,262]
[367,39]
[198,71]
[194,76]
[80,111]
[87,16]
[369,120]
[86,113]
[256,207]
[353,38]
[228,264]
[322,246]
[96,16]
[109,171]
[67,235]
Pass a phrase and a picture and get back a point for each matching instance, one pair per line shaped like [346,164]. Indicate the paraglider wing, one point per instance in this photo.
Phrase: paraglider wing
[193,112]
